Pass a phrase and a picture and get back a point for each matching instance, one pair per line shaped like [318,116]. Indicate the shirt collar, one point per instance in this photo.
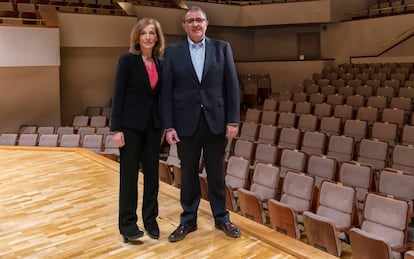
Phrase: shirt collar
[196,45]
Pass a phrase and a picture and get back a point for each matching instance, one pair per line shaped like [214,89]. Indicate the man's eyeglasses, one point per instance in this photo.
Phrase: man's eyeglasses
[196,20]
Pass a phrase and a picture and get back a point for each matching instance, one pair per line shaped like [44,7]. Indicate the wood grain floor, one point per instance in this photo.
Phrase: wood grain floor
[63,203]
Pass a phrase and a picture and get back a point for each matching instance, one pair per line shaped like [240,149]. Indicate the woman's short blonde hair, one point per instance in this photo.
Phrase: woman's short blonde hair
[159,47]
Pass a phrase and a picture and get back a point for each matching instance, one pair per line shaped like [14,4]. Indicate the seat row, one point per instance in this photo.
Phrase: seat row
[95,142]
[336,208]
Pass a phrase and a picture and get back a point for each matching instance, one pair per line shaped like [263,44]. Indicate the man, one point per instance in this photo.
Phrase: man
[200,107]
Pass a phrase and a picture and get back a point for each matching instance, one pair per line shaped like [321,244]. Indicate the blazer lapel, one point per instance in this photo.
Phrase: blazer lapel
[185,54]
[208,61]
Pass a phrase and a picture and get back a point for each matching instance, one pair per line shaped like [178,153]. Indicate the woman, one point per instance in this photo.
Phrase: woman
[135,121]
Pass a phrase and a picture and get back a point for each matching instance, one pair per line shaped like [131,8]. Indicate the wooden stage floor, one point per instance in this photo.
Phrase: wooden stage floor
[63,203]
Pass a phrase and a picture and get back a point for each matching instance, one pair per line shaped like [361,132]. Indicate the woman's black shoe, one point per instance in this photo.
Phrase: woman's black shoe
[153,230]
[134,237]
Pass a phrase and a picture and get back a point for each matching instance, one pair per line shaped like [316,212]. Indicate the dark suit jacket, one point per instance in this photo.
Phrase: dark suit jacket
[182,95]
[134,103]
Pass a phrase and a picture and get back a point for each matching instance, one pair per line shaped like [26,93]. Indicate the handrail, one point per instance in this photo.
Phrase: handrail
[400,38]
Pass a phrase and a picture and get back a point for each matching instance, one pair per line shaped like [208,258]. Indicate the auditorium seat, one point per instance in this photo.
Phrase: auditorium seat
[373,152]
[98,121]
[8,139]
[407,135]
[334,216]
[65,130]
[394,116]
[330,126]
[303,108]
[45,130]
[92,110]
[249,131]
[386,91]
[322,110]
[311,89]
[365,91]
[296,197]
[270,105]
[308,122]
[383,229]
[30,129]
[356,129]
[335,99]
[403,158]
[292,160]
[316,98]
[289,138]
[48,140]
[80,121]
[172,158]
[267,134]
[92,142]
[253,115]
[269,118]
[341,148]
[236,177]
[286,106]
[69,140]
[265,153]
[264,186]
[379,102]
[313,143]
[244,148]
[368,114]
[344,112]
[385,131]
[409,254]
[328,90]
[27,139]
[83,130]
[286,120]
[357,175]
[321,168]
[408,91]
[285,96]
[103,130]
[346,91]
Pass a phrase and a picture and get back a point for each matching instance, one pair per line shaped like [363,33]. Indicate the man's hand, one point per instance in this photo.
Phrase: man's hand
[118,139]
[172,137]
[232,131]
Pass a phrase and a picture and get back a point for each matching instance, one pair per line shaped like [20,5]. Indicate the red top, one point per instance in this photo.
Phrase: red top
[152,74]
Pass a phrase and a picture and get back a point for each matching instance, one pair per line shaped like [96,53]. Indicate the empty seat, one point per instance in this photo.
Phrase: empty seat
[373,152]
[356,129]
[296,197]
[249,131]
[80,121]
[98,121]
[355,101]
[365,91]
[379,102]
[8,139]
[408,91]
[93,142]
[286,106]
[289,138]
[346,91]
[253,115]
[328,90]
[322,168]
[317,98]
[83,130]
[330,126]
[394,116]
[355,83]
[308,122]
[341,148]
[322,110]
[344,112]
[48,140]
[65,130]
[384,227]
[401,103]
[386,91]
[292,160]
[368,114]
[398,184]
[385,131]
[313,143]
[269,118]
[69,140]
[403,158]
[236,177]
[300,97]
[264,186]
[27,139]
[103,131]
[335,99]
[30,129]
[45,130]
[286,120]
[311,89]
[407,136]
[93,111]
[335,215]
[265,153]
[285,96]
[270,105]
[267,134]
[358,175]
[303,108]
